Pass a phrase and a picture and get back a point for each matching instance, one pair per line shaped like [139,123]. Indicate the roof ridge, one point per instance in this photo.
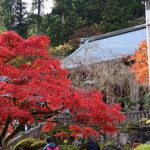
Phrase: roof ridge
[114,33]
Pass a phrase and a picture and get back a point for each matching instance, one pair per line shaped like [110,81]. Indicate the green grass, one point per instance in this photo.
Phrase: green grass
[143,147]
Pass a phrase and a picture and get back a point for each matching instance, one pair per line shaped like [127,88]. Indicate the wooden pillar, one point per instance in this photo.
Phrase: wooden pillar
[147,11]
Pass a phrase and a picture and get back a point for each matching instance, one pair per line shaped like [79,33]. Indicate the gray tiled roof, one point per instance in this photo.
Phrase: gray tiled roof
[106,47]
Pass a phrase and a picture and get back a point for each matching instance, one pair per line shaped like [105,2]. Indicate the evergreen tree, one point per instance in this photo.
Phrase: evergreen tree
[109,15]
[70,15]
[7,11]
[14,12]
[89,10]
[20,17]
[62,8]
[38,5]
[53,28]
[118,14]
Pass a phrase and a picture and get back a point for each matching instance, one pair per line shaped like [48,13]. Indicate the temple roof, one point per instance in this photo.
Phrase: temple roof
[105,47]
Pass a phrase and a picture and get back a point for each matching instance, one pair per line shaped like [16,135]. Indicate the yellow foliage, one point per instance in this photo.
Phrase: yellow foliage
[61,50]
[147,121]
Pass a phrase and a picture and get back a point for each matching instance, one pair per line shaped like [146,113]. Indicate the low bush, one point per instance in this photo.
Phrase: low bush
[38,144]
[30,144]
[24,144]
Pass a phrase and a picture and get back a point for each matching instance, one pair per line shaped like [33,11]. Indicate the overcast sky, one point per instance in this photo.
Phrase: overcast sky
[47,5]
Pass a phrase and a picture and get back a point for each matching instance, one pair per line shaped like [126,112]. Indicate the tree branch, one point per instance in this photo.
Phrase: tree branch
[7,61]
[40,112]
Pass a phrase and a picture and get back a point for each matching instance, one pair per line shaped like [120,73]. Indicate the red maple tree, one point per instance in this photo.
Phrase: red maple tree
[33,86]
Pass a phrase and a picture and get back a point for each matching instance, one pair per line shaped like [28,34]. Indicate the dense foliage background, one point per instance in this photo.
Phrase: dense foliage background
[70,19]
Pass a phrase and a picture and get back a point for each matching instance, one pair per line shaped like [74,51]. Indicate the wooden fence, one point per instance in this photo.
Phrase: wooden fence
[64,120]
[136,116]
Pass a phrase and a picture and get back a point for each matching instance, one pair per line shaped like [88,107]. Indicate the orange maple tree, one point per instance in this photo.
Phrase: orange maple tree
[140,67]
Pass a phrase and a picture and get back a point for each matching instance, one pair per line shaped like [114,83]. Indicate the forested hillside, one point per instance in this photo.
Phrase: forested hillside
[70,19]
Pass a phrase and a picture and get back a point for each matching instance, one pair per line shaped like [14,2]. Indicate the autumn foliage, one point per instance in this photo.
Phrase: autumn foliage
[34,87]
[86,132]
[61,135]
[140,67]
[76,131]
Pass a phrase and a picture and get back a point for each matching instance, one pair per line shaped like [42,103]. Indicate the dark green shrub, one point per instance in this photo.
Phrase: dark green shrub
[24,144]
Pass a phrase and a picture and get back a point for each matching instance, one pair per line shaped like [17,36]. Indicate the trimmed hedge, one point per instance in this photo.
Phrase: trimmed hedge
[38,144]
[29,144]
[35,144]
[24,144]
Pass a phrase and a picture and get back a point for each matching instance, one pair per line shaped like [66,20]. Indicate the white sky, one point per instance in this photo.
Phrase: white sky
[47,5]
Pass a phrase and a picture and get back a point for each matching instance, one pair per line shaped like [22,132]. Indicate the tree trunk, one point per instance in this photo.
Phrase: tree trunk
[39,17]
[39,7]
[7,139]
[63,18]
[4,132]
[20,13]
[3,147]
